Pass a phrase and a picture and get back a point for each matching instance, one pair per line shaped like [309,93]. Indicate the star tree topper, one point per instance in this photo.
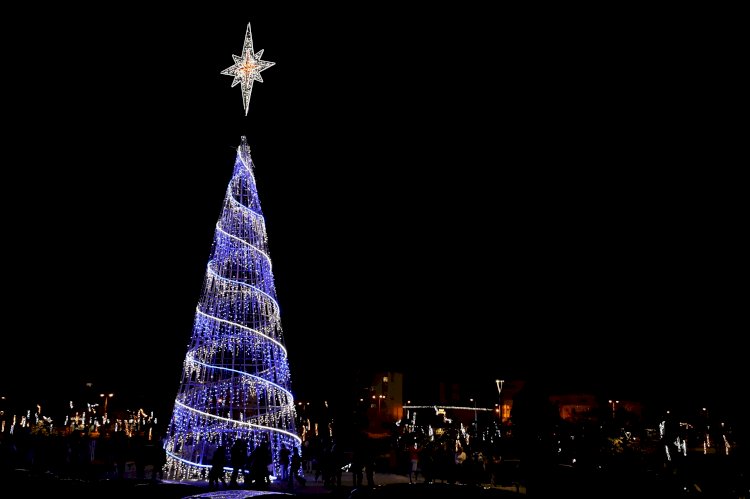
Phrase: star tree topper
[246,68]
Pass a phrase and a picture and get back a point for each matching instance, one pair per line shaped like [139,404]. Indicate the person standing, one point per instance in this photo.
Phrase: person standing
[260,459]
[284,454]
[414,451]
[295,466]
[458,468]
[238,457]
[216,473]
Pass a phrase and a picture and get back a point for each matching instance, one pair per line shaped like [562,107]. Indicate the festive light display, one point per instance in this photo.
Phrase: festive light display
[246,68]
[235,380]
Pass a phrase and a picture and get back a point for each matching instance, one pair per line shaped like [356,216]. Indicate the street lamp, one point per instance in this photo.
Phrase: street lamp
[499,383]
[106,397]
[380,398]
[613,402]
[475,410]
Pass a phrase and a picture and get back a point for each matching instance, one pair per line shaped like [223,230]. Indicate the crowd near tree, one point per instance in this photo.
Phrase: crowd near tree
[535,451]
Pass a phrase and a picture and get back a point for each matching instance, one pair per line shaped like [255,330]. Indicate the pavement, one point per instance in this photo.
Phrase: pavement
[35,485]
[313,487]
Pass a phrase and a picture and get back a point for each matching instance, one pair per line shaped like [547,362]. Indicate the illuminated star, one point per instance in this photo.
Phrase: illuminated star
[246,68]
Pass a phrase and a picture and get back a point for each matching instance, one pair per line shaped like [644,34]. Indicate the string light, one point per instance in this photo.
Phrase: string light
[235,379]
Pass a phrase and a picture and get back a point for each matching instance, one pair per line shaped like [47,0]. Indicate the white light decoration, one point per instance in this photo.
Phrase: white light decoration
[726,445]
[246,68]
[235,379]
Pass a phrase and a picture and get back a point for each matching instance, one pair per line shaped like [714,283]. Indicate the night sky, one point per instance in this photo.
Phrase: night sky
[461,195]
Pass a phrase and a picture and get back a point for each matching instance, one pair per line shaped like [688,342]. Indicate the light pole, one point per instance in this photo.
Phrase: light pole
[380,398]
[106,397]
[613,402]
[499,383]
[475,411]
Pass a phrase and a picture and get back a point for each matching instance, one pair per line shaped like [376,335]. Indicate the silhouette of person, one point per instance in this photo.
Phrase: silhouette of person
[216,473]
[284,454]
[238,457]
[295,465]
[414,451]
[160,459]
[260,458]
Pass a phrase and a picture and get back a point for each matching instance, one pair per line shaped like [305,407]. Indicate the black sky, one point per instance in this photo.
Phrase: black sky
[467,194]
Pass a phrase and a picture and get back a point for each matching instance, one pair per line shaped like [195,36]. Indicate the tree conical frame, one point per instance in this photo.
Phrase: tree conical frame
[235,382]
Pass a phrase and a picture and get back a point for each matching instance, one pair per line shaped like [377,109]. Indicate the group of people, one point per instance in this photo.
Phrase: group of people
[446,460]
[321,458]
[290,462]
[255,467]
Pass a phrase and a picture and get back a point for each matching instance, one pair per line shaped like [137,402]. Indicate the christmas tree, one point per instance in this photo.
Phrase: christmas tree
[235,385]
